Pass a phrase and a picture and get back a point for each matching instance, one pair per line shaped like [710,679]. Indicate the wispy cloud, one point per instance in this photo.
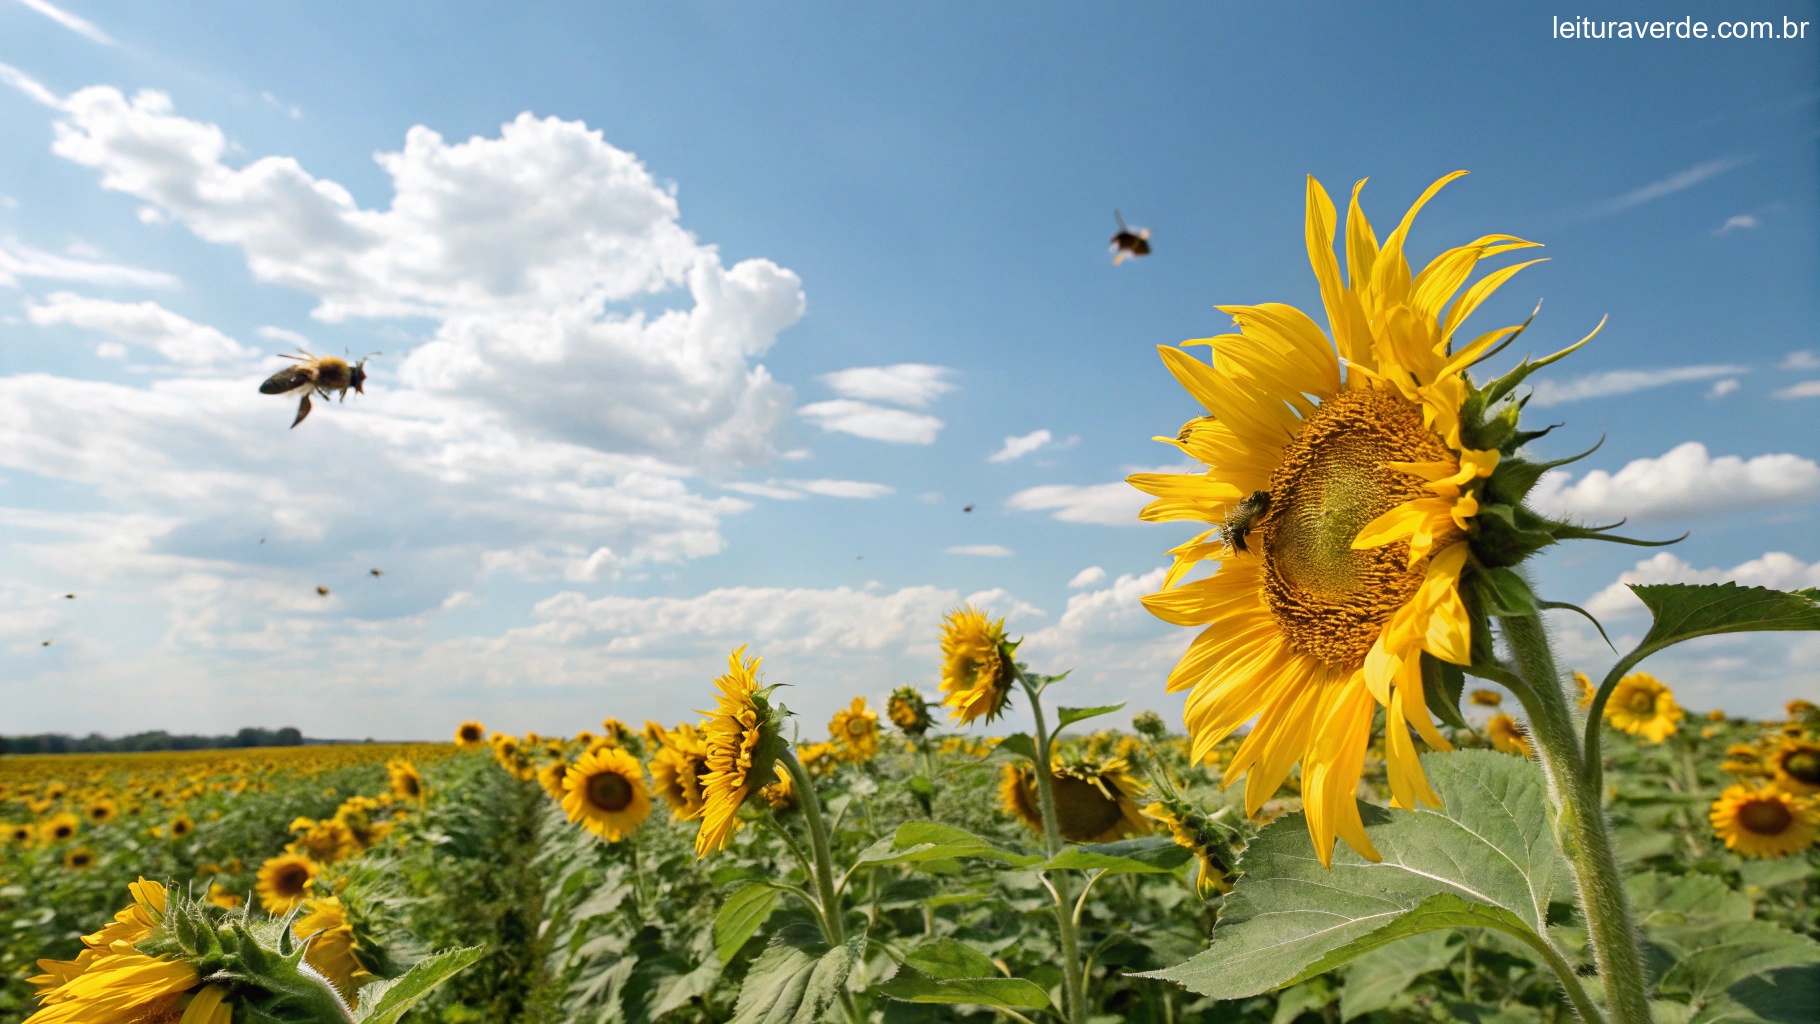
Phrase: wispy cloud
[28,85]
[872,422]
[17,261]
[1623,382]
[1723,387]
[1805,389]
[981,550]
[1677,182]
[1739,222]
[910,384]
[1801,359]
[79,25]
[796,490]
[1024,444]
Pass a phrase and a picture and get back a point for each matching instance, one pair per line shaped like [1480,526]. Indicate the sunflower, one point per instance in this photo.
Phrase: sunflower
[21,834]
[470,735]
[1508,735]
[80,859]
[976,667]
[550,777]
[1765,822]
[1195,832]
[1350,509]
[1744,759]
[909,711]
[1797,767]
[1587,690]
[1642,706]
[742,739]
[182,827]
[780,796]
[855,731]
[605,792]
[407,784]
[111,982]
[1486,698]
[1716,715]
[101,810]
[1095,801]
[283,882]
[325,841]
[221,897]
[60,827]
[817,758]
[617,731]
[333,949]
[1799,708]
[677,770]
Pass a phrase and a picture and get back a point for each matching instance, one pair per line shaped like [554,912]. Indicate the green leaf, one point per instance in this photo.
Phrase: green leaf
[795,979]
[920,785]
[1378,977]
[1687,610]
[1017,743]
[926,840]
[741,916]
[1485,858]
[1068,716]
[1499,592]
[1442,684]
[384,1002]
[913,986]
[1148,855]
[951,958]
[1722,955]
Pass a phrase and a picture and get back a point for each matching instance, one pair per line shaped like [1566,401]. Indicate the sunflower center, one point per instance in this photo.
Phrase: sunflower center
[1765,817]
[1082,811]
[1642,703]
[1803,765]
[291,880]
[609,791]
[1331,601]
[856,727]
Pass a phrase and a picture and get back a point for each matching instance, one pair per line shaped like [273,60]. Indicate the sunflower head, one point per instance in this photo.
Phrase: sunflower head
[182,827]
[1508,735]
[818,759]
[101,810]
[1797,766]
[470,735]
[1716,715]
[909,711]
[1765,821]
[677,770]
[854,731]
[334,951]
[60,827]
[1096,801]
[284,881]
[20,834]
[1642,706]
[743,736]
[79,859]
[1212,845]
[1150,725]
[1486,698]
[976,665]
[407,784]
[221,897]
[780,796]
[550,777]
[1799,709]
[605,792]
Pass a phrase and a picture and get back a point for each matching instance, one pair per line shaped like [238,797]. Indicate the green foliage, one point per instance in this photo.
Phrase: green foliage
[385,1002]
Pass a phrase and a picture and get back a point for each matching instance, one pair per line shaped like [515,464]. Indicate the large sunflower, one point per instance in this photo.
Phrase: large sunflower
[605,792]
[677,768]
[1642,706]
[1348,478]
[1764,822]
[283,881]
[976,674]
[855,731]
[1797,766]
[742,743]
[1095,801]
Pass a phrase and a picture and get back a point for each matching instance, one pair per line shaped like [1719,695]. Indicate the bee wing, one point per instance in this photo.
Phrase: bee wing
[303,409]
[288,379]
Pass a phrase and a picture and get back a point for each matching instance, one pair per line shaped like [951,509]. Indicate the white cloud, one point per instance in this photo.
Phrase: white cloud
[1018,447]
[284,336]
[140,323]
[1111,642]
[1113,504]
[1801,359]
[81,26]
[796,490]
[1777,570]
[1623,382]
[31,87]
[111,350]
[291,110]
[1738,222]
[20,261]
[981,550]
[1684,482]
[910,384]
[1676,182]
[1805,389]
[1723,387]
[1087,577]
[873,422]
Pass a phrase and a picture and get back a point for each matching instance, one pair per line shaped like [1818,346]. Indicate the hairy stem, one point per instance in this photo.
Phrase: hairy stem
[1072,982]
[832,927]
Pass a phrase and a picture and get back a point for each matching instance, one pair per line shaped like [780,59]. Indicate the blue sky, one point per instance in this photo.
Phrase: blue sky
[701,323]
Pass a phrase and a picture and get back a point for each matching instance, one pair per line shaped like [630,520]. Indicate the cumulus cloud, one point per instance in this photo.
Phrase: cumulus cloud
[146,324]
[908,384]
[1087,577]
[1684,482]
[981,550]
[1020,446]
[1110,641]
[1113,504]
[872,422]
[22,261]
[1623,382]
[1777,570]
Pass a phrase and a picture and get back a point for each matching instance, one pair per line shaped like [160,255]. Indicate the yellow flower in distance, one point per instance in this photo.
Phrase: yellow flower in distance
[470,735]
[80,859]
[780,796]
[60,827]
[182,827]
[605,793]
[1764,822]
[221,897]
[1642,706]
[1095,801]
[1486,698]
[1716,715]
[908,711]
[1797,767]
[976,679]
[738,734]
[1508,735]
[21,834]
[1343,485]
[855,731]
[677,770]
[1587,690]
[102,810]
[407,784]
[283,881]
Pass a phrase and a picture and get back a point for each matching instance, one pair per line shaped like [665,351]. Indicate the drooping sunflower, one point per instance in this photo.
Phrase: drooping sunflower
[677,770]
[407,784]
[605,793]
[1486,698]
[976,673]
[1797,767]
[1194,831]
[1508,735]
[112,982]
[1096,801]
[909,711]
[60,827]
[284,881]
[1642,706]
[741,735]
[333,948]
[780,796]
[470,735]
[855,731]
[1359,485]
[1764,821]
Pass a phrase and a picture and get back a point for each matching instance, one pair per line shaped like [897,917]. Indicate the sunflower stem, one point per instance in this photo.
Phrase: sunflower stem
[832,927]
[1609,921]
[1072,982]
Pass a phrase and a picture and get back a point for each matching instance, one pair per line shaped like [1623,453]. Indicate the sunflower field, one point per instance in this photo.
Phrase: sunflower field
[1538,846]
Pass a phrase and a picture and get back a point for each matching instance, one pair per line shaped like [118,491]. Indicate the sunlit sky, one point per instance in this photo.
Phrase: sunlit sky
[702,324]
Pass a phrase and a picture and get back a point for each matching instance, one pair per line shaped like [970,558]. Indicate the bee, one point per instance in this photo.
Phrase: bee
[1128,244]
[318,374]
[1237,524]
[375,573]
[47,643]
[69,597]
[966,508]
[322,590]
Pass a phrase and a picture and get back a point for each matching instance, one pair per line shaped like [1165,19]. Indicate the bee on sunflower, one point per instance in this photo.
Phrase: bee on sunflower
[1365,498]
[1096,800]
[605,792]
[977,665]
[284,881]
[1508,735]
[743,739]
[1764,821]
[855,732]
[909,712]
[1642,706]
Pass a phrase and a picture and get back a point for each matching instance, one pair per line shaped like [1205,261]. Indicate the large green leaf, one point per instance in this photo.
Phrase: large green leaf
[1707,938]
[384,1002]
[1378,977]
[1687,610]
[925,840]
[913,986]
[740,917]
[1485,858]
[1146,855]
[795,979]
[950,958]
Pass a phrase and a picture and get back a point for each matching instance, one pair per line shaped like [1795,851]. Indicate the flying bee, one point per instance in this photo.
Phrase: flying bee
[1128,244]
[318,374]
[375,573]
[1237,524]
[966,508]
[322,590]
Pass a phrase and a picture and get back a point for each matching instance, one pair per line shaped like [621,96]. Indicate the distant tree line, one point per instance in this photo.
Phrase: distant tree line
[93,743]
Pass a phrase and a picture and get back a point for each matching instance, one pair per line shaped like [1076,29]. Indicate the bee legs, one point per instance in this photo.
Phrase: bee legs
[303,409]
